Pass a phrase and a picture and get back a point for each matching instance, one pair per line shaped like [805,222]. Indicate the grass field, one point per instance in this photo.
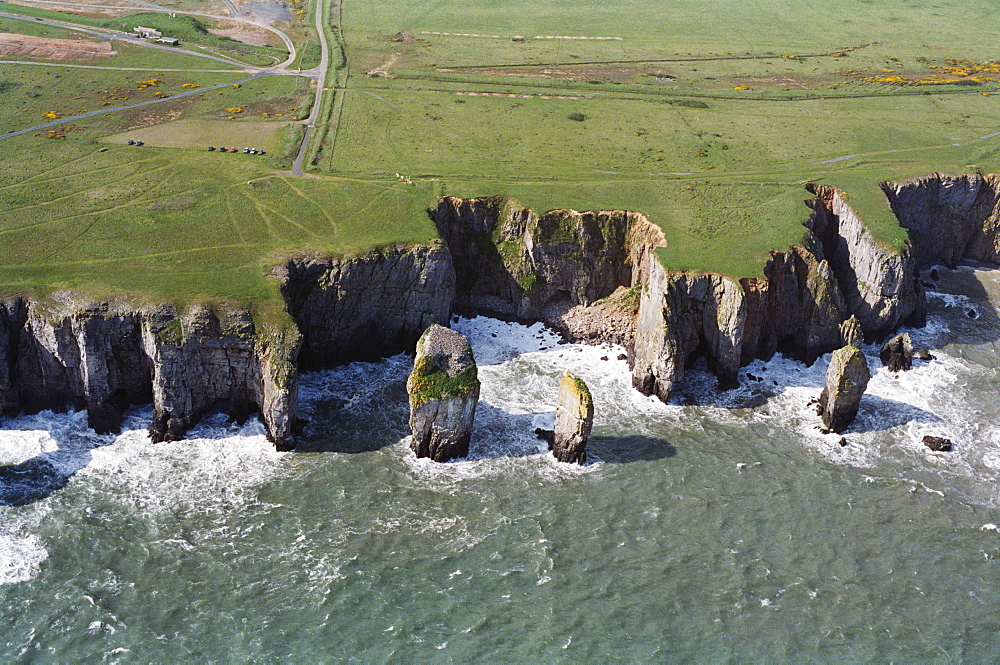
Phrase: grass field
[708,117]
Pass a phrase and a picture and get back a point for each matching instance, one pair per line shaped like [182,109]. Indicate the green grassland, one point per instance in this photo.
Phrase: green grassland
[709,118]
[180,224]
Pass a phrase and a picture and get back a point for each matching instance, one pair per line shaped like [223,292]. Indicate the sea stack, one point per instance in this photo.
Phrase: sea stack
[574,420]
[897,353]
[443,389]
[846,381]
[851,332]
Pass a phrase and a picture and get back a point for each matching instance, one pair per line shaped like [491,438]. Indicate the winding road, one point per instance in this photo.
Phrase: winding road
[282,69]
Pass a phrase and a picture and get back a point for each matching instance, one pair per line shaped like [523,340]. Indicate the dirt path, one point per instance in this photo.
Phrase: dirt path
[324,64]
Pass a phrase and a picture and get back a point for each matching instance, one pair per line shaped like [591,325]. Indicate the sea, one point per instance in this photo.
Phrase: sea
[721,527]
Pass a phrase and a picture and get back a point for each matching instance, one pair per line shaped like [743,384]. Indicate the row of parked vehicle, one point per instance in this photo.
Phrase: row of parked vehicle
[246,151]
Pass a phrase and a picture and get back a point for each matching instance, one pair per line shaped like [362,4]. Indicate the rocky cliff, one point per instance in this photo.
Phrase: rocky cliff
[367,306]
[67,352]
[879,283]
[949,217]
[594,275]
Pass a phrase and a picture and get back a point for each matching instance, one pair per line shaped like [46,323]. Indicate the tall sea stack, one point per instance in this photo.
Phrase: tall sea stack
[846,381]
[574,420]
[443,389]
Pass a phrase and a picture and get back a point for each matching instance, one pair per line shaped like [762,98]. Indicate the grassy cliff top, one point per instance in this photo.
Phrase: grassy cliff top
[709,123]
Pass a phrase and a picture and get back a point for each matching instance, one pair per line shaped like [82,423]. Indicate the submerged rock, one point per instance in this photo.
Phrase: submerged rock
[846,381]
[574,420]
[444,390]
[897,353]
[938,444]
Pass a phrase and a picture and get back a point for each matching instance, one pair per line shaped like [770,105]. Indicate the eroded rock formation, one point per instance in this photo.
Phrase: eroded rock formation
[444,390]
[897,353]
[949,217]
[367,306]
[846,380]
[68,352]
[595,276]
[574,420]
[938,444]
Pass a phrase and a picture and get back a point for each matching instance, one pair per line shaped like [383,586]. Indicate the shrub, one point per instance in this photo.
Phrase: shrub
[578,117]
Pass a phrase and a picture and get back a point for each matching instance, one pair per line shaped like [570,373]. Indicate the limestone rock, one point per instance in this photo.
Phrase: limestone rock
[444,390]
[367,306]
[846,381]
[851,333]
[574,420]
[949,217]
[877,280]
[897,353]
[68,352]
[938,444]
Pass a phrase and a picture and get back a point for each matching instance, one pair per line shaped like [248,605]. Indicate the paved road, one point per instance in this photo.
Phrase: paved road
[122,37]
[289,46]
[63,121]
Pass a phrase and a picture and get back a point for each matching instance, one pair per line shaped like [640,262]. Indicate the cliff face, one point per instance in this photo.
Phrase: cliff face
[879,283]
[511,262]
[594,275]
[367,306]
[949,217]
[66,352]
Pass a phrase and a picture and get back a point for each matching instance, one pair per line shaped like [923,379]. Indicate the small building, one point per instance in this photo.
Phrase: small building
[169,40]
[147,33]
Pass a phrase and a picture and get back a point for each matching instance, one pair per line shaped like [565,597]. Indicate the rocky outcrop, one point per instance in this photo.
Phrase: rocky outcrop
[574,420]
[796,308]
[851,333]
[949,217]
[70,353]
[878,282]
[514,263]
[897,353]
[367,306]
[846,380]
[938,444]
[444,390]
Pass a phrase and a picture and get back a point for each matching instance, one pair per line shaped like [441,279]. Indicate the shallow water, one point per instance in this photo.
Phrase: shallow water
[716,527]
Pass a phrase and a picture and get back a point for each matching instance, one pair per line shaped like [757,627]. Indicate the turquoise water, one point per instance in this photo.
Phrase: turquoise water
[719,527]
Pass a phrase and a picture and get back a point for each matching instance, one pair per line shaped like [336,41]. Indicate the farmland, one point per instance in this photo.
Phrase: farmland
[710,123]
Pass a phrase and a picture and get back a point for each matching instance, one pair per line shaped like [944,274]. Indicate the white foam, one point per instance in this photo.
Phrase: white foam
[21,557]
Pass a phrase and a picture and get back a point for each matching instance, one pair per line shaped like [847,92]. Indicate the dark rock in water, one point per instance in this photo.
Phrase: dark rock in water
[546,435]
[604,357]
[622,356]
[972,314]
[935,275]
[897,353]
[843,442]
[753,377]
[846,381]
[929,285]
[938,444]
[444,390]
[851,333]
[924,354]
[574,420]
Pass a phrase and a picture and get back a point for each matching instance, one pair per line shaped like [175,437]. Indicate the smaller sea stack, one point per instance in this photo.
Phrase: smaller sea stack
[574,420]
[444,390]
[846,381]
[897,353]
